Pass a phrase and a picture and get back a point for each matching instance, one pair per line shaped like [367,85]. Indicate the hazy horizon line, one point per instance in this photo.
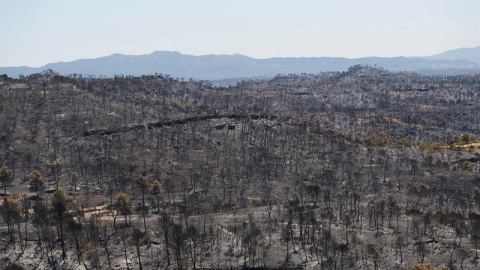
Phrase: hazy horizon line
[232,54]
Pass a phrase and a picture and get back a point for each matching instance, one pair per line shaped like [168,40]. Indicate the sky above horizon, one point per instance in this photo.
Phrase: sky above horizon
[35,33]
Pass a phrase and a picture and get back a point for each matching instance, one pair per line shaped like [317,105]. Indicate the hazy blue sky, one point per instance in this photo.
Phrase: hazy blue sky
[38,32]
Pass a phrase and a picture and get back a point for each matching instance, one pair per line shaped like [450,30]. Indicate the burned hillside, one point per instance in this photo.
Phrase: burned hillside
[365,169]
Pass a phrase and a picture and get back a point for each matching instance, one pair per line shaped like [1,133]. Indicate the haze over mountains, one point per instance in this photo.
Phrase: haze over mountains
[216,67]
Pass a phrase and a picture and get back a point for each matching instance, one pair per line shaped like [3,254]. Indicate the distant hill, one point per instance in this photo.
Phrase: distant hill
[217,67]
[468,54]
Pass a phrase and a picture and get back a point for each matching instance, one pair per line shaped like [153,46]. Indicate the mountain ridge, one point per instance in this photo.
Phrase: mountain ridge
[470,54]
[223,66]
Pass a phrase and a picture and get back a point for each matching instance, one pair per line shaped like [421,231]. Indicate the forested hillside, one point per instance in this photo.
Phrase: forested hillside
[365,169]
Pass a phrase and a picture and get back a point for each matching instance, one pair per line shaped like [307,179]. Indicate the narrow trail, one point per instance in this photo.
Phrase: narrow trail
[92,132]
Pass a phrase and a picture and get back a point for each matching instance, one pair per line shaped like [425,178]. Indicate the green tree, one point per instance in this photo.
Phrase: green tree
[123,205]
[36,182]
[5,177]
[465,138]
[156,191]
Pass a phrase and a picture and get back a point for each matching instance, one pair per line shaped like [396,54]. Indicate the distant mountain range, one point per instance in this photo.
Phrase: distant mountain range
[216,67]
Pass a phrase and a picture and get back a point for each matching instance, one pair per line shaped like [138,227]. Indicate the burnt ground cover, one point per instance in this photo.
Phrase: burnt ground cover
[365,169]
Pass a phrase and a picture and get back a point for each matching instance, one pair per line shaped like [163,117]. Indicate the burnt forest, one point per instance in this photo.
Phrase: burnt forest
[362,169]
